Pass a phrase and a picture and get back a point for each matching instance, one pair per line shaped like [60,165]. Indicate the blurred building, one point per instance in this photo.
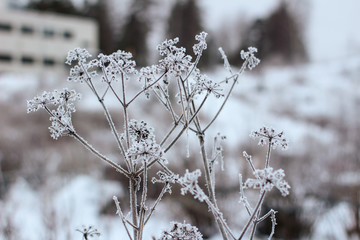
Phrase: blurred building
[36,42]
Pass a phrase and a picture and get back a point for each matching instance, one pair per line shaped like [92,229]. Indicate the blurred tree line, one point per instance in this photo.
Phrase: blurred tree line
[277,36]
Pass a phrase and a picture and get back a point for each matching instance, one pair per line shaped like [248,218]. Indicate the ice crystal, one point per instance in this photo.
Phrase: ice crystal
[217,154]
[250,57]
[266,134]
[199,47]
[181,231]
[77,54]
[267,178]
[189,183]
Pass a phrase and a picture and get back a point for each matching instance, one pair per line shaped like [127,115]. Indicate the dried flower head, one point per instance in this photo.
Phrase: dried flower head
[167,46]
[88,232]
[267,178]
[250,57]
[175,60]
[204,84]
[189,183]
[140,131]
[146,151]
[61,123]
[266,134]
[201,46]
[181,231]
[165,177]
[78,54]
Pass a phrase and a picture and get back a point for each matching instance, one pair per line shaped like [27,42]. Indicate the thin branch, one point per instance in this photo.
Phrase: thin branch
[168,134]
[251,219]
[133,205]
[116,95]
[121,215]
[105,92]
[115,132]
[152,209]
[220,218]
[98,154]
[143,200]
[146,88]
[185,126]
[210,186]
[267,162]
[107,113]
[228,95]
[243,199]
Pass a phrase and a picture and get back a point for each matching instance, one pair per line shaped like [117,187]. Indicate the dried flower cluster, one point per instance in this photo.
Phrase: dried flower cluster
[266,179]
[181,231]
[189,183]
[269,135]
[136,140]
[60,118]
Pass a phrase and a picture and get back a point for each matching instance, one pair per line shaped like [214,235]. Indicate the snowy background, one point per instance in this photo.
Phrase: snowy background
[51,188]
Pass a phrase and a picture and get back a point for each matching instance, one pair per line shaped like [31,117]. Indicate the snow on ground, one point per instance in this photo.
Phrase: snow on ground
[33,214]
[287,98]
[335,223]
[290,99]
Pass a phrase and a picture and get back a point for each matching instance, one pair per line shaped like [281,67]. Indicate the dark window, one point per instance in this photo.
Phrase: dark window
[68,34]
[48,33]
[5,57]
[5,27]
[27,60]
[27,30]
[49,62]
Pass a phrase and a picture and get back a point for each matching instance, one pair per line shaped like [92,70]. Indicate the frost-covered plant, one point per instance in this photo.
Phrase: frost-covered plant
[137,142]
[88,232]
[181,231]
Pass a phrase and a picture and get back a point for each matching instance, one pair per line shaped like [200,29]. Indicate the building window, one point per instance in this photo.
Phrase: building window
[48,62]
[5,27]
[5,57]
[48,32]
[67,35]
[27,30]
[27,60]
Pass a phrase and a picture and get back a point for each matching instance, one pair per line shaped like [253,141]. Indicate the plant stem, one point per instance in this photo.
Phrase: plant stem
[267,162]
[133,205]
[99,155]
[209,183]
[251,219]
[228,95]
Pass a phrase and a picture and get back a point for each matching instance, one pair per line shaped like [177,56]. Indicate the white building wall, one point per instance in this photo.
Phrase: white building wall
[34,41]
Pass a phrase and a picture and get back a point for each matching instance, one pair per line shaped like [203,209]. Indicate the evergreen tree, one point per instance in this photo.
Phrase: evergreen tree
[278,35]
[185,23]
[135,33]
[100,12]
